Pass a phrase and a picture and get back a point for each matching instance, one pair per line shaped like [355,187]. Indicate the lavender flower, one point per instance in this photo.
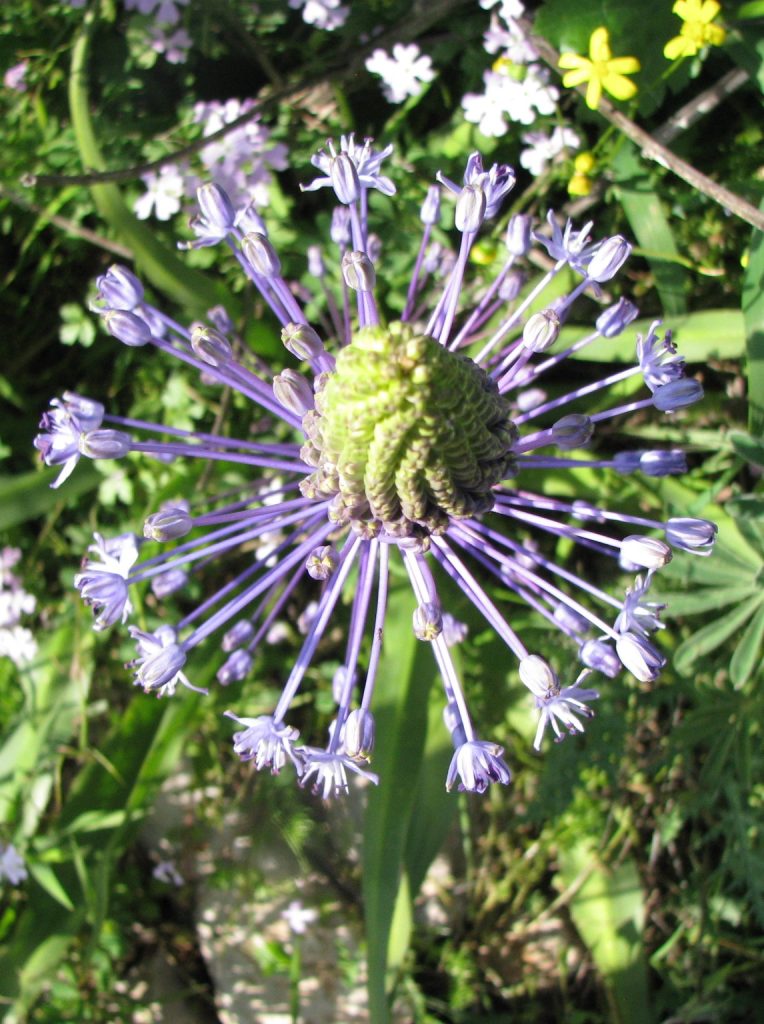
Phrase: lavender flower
[12,865]
[388,442]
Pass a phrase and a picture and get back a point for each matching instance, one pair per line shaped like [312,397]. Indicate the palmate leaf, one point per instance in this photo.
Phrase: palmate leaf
[753,311]
[715,633]
[746,656]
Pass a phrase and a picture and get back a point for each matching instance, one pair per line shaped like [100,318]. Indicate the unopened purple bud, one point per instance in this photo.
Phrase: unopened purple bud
[530,398]
[519,234]
[374,247]
[601,657]
[646,552]
[235,668]
[616,318]
[216,207]
[339,231]
[428,621]
[358,271]
[220,319]
[210,346]
[302,341]
[316,265]
[430,212]
[677,394]
[167,524]
[344,178]
[537,675]
[608,259]
[260,255]
[569,619]
[639,656]
[293,391]
[696,535]
[130,329]
[104,444]
[238,635]
[541,330]
[470,208]
[573,431]
[120,288]
[169,582]
[663,463]
[358,734]
[510,287]
[322,562]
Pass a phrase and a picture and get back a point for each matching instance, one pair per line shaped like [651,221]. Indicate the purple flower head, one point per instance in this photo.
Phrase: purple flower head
[385,450]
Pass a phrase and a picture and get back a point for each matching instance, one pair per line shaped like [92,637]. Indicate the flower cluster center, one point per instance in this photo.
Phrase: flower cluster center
[406,435]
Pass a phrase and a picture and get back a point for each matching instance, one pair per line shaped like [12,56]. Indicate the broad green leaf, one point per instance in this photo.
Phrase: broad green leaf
[608,911]
[29,495]
[747,506]
[706,600]
[714,634]
[752,9]
[747,650]
[404,679]
[158,264]
[748,448]
[709,334]
[93,821]
[45,876]
[753,312]
[650,228]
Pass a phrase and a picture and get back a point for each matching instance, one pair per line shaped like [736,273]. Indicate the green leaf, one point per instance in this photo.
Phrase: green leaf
[190,288]
[405,675]
[709,334]
[46,877]
[30,495]
[650,227]
[714,634]
[707,600]
[748,448]
[753,313]
[608,911]
[746,656]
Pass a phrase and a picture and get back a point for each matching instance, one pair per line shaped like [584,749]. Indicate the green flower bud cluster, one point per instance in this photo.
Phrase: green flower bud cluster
[406,435]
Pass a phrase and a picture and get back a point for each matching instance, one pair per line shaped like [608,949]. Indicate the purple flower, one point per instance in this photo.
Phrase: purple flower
[387,442]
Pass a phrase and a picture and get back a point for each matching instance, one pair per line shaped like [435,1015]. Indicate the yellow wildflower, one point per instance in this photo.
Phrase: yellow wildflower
[697,30]
[601,70]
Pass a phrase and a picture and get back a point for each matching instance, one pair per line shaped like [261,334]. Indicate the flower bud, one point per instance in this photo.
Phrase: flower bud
[104,444]
[130,329]
[663,463]
[119,288]
[696,535]
[358,271]
[608,259]
[677,394]
[302,341]
[645,552]
[210,346]
[519,234]
[238,635]
[470,208]
[344,178]
[216,207]
[169,582]
[322,562]
[428,621]
[616,318]
[430,212]
[541,330]
[293,391]
[600,656]
[569,619]
[339,232]
[573,431]
[359,734]
[260,254]
[167,524]
[316,265]
[235,668]
[510,287]
[639,656]
[537,675]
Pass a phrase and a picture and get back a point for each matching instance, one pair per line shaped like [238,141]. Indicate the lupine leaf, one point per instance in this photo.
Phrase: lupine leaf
[714,634]
[748,448]
[746,656]
[46,877]
[30,495]
[708,599]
